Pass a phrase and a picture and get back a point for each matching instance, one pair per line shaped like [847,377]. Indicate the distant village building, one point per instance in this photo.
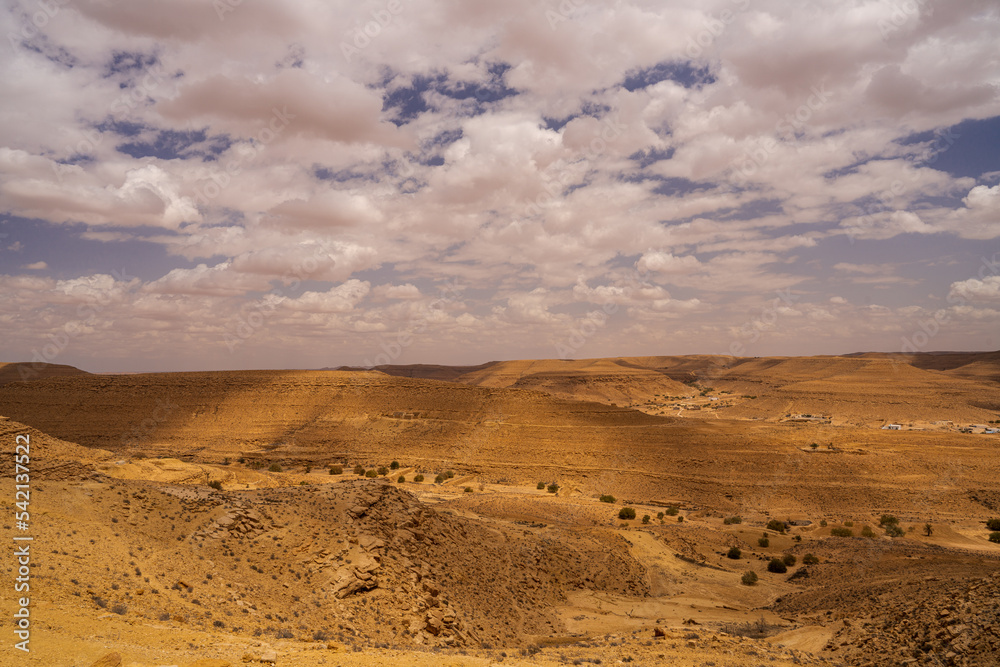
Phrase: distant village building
[892,427]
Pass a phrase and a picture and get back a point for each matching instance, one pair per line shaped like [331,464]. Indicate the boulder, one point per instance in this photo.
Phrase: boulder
[109,660]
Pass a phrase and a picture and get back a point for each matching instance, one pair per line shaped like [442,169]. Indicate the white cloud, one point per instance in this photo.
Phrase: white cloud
[987,289]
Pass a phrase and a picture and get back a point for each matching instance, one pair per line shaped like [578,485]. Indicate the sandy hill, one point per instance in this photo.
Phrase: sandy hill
[868,389]
[25,371]
[980,366]
[498,435]
[200,522]
[50,457]
[603,380]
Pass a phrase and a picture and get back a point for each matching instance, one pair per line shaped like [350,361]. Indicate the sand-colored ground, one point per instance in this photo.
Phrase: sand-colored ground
[162,533]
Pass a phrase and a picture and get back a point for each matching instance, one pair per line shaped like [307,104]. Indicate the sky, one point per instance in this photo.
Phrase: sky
[196,185]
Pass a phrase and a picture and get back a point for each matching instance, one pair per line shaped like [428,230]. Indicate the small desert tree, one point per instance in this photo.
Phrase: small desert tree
[749,578]
[777,566]
[734,553]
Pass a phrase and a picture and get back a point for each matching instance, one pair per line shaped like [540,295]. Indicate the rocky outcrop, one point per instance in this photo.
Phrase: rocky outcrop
[954,623]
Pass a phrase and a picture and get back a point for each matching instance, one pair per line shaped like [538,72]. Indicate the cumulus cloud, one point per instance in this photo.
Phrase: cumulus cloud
[687,162]
[987,289]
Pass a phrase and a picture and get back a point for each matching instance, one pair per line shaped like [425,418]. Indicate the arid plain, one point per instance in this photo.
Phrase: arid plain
[219,518]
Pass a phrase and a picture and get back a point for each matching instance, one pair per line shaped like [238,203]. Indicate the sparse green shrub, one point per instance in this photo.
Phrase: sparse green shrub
[995,536]
[809,559]
[734,553]
[659,515]
[749,578]
[645,518]
[732,520]
[439,479]
[797,538]
[553,487]
[274,467]
[119,609]
[226,461]
[672,510]
[849,524]
[822,523]
[788,559]
[626,513]
[336,470]
[371,474]
[867,532]
[993,524]
[394,465]
[216,484]
[540,486]
[841,532]
[777,566]
[763,542]
[606,498]
[680,519]
[401,479]
[309,469]
[383,471]
[776,526]
[888,520]
[468,489]
[448,474]
[359,470]
[418,478]
[894,530]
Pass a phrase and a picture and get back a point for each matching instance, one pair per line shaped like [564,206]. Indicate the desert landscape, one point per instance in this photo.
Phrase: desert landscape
[539,512]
